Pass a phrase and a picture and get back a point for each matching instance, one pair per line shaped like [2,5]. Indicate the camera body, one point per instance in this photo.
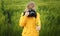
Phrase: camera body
[32,13]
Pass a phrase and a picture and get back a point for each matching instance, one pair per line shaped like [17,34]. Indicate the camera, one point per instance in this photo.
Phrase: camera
[32,13]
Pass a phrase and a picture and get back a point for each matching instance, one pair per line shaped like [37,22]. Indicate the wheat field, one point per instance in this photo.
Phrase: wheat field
[10,11]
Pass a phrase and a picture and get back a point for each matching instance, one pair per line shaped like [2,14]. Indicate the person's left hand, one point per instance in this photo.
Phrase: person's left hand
[38,28]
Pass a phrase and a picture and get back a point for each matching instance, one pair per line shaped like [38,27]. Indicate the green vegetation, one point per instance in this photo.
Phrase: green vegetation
[10,11]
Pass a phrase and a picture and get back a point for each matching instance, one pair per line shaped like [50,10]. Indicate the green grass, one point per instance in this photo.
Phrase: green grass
[48,9]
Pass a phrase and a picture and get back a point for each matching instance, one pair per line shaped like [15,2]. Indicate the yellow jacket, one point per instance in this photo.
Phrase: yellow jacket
[29,24]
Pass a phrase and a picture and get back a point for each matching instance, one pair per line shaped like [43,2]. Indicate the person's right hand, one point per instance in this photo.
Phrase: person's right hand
[26,13]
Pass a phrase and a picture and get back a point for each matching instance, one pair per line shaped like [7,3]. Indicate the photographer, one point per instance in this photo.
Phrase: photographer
[30,21]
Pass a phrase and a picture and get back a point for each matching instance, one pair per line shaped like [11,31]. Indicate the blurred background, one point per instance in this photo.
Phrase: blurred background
[10,11]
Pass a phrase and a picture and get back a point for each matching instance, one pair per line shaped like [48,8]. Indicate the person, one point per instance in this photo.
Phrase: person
[31,25]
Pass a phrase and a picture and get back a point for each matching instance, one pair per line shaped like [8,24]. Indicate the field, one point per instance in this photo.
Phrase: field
[10,11]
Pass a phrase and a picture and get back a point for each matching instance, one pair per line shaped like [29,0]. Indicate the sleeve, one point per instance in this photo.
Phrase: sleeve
[22,20]
[38,21]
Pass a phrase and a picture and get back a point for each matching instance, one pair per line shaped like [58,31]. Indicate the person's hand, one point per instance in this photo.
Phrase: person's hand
[26,13]
[38,28]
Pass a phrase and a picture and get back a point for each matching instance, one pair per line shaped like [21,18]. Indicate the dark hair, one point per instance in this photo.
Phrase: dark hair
[32,13]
